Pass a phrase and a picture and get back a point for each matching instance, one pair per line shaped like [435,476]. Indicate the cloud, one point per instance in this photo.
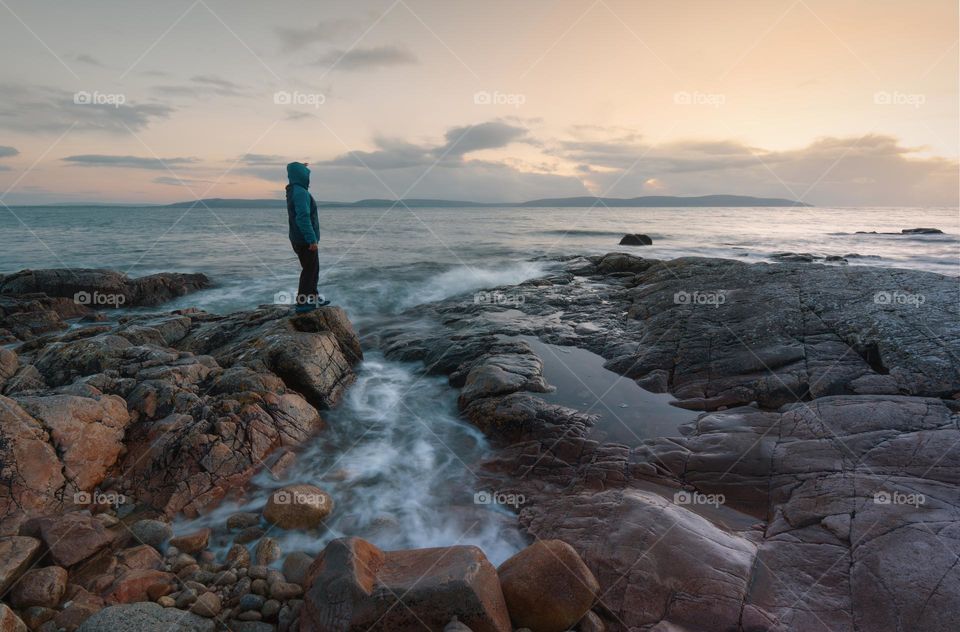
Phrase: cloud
[367,58]
[6,151]
[205,85]
[296,38]
[180,182]
[847,171]
[127,162]
[89,59]
[39,109]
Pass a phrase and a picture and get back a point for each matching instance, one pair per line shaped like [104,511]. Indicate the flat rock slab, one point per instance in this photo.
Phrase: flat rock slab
[145,617]
[356,587]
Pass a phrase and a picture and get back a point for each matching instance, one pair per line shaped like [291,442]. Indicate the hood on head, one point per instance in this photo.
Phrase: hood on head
[298,173]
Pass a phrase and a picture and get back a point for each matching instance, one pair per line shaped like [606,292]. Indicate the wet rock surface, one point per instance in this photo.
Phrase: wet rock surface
[818,490]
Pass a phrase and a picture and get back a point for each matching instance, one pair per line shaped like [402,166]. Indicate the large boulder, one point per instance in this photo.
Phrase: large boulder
[298,507]
[354,586]
[145,617]
[40,587]
[9,621]
[547,587]
[17,553]
[73,537]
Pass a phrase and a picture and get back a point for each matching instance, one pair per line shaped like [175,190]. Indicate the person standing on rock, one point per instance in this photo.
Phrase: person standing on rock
[304,236]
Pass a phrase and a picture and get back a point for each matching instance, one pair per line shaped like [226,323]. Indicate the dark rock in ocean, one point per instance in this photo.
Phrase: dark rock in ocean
[921,231]
[794,257]
[636,239]
[356,586]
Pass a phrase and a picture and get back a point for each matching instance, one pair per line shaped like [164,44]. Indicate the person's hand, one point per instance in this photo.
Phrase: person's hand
[313,247]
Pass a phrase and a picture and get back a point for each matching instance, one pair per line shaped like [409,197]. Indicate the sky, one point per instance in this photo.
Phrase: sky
[832,102]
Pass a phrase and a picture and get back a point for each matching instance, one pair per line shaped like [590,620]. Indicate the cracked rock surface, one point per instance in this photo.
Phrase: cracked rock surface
[818,490]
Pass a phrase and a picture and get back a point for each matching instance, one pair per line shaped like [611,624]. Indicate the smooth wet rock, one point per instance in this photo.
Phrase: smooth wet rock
[140,585]
[547,587]
[298,507]
[636,239]
[142,617]
[296,565]
[40,587]
[267,551]
[591,622]
[207,605]
[354,585]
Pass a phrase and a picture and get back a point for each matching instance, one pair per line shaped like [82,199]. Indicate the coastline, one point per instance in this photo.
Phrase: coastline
[788,369]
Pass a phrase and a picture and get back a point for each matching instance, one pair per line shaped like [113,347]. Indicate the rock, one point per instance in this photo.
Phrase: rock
[167,601]
[152,532]
[266,552]
[73,537]
[921,231]
[547,587]
[40,587]
[296,565]
[285,590]
[636,239]
[243,520]
[238,556]
[17,553]
[298,507]
[270,610]
[35,617]
[206,605]
[591,622]
[456,626]
[103,288]
[9,621]
[192,542]
[140,585]
[73,616]
[141,617]
[251,601]
[354,585]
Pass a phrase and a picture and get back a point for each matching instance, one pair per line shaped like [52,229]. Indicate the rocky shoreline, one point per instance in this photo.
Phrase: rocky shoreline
[816,490]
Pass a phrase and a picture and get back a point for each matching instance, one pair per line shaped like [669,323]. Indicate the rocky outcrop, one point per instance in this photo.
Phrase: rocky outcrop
[636,239]
[355,586]
[818,492]
[101,289]
[171,411]
[145,616]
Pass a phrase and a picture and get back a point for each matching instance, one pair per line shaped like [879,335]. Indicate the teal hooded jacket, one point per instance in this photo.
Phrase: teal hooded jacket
[301,207]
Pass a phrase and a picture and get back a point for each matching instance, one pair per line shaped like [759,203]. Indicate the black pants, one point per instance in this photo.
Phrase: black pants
[309,274]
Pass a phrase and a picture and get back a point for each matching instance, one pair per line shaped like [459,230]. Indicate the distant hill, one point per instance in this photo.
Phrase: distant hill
[586,201]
